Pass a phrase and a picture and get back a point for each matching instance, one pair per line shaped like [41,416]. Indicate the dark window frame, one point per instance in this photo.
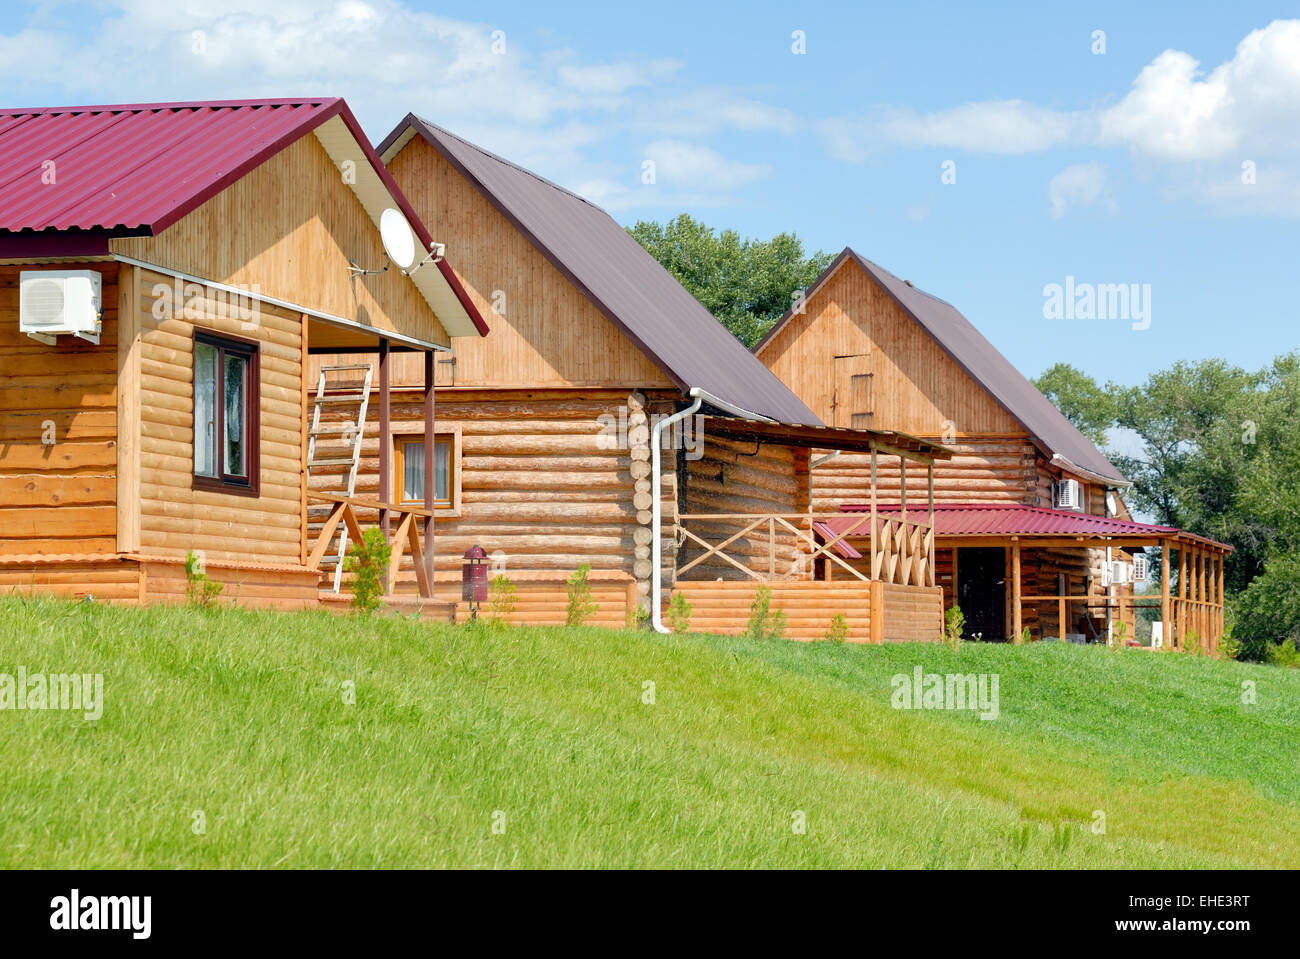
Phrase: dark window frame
[250,350]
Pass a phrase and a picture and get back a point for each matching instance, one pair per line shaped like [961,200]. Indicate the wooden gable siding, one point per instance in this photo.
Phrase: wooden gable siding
[174,518]
[852,327]
[545,333]
[290,227]
[59,498]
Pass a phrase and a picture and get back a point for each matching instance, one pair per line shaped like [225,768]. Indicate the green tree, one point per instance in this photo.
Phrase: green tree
[1090,407]
[748,284]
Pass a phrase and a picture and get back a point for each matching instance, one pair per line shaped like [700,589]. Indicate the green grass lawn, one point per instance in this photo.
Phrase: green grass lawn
[241,716]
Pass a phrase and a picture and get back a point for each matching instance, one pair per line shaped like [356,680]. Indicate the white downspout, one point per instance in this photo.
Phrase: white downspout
[656,509]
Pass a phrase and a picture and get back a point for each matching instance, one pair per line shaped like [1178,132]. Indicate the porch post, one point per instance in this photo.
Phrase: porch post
[1015,589]
[429,493]
[1219,634]
[875,563]
[1183,590]
[931,578]
[385,438]
[1166,627]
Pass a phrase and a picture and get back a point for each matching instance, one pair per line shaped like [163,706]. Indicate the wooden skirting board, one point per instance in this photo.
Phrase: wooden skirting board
[874,612]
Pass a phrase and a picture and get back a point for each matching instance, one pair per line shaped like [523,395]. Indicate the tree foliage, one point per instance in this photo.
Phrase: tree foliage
[1220,456]
[748,284]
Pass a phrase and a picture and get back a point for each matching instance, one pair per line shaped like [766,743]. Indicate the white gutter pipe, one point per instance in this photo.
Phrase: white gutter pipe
[657,510]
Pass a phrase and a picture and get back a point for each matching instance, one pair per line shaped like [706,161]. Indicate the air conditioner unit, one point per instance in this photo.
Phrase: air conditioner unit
[1067,494]
[1141,569]
[54,302]
[1121,573]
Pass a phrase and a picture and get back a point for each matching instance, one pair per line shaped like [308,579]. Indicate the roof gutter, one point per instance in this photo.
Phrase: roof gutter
[728,408]
[1060,462]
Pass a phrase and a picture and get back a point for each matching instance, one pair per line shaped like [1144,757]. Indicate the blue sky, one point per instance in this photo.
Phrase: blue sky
[1117,167]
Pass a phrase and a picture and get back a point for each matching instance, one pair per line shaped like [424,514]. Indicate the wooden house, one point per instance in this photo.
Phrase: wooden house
[554,446]
[165,272]
[1031,529]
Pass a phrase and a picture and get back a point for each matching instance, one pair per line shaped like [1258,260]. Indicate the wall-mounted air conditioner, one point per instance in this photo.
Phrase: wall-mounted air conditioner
[1067,494]
[1141,569]
[54,302]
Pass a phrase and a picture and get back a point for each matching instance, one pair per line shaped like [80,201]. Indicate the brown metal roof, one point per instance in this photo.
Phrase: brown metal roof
[618,276]
[982,361]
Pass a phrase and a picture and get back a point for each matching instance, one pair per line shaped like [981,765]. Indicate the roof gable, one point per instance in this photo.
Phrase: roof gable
[136,169]
[984,364]
[618,276]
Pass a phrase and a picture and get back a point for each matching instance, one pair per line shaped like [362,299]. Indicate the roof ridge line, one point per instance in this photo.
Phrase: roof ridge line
[510,163]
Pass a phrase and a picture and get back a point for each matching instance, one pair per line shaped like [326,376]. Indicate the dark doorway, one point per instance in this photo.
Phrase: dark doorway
[982,591]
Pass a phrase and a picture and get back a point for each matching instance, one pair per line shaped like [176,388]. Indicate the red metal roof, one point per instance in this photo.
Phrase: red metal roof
[138,168]
[1008,519]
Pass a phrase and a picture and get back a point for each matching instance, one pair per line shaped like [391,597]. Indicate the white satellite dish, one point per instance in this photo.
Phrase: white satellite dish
[399,241]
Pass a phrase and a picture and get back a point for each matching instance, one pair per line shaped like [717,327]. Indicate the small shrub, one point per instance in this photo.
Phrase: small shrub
[580,607]
[954,623]
[839,631]
[1285,654]
[1192,642]
[764,624]
[1025,637]
[199,590]
[638,617]
[1229,647]
[501,600]
[367,561]
[679,614]
[1118,635]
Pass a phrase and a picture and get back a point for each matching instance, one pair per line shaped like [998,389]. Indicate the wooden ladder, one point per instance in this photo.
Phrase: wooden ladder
[345,451]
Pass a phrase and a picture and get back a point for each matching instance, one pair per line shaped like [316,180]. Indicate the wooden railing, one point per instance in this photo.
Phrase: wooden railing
[405,534]
[757,545]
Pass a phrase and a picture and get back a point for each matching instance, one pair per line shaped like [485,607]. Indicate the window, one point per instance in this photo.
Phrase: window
[409,466]
[225,414]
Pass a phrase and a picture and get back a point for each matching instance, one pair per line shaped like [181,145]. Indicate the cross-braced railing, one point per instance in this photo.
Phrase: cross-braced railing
[774,546]
[405,536]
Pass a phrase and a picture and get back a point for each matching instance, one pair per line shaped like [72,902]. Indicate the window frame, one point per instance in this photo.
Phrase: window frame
[250,351]
[414,433]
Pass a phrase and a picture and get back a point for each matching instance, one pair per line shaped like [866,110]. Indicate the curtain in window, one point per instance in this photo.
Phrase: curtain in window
[205,409]
[413,473]
[442,472]
[236,377]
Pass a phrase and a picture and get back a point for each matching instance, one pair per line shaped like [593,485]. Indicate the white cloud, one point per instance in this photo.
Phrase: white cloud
[1173,111]
[1078,186]
[678,163]
[614,78]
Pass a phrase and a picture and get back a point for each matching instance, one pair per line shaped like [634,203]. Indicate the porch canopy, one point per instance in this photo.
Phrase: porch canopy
[1198,605]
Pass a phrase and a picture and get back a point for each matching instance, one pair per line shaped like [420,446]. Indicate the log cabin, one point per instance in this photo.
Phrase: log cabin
[1031,529]
[165,270]
[610,421]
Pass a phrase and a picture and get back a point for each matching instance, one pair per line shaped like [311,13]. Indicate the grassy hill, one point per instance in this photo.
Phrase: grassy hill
[237,721]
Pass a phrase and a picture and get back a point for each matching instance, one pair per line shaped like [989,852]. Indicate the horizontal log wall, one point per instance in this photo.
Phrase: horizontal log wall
[724,607]
[735,477]
[174,517]
[104,579]
[57,498]
[165,582]
[996,469]
[543,480]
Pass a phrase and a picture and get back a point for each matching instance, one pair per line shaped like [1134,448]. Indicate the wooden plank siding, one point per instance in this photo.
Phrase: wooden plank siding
[174,517]
[289,227]
[545,332]
[916,386]
[59,498]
